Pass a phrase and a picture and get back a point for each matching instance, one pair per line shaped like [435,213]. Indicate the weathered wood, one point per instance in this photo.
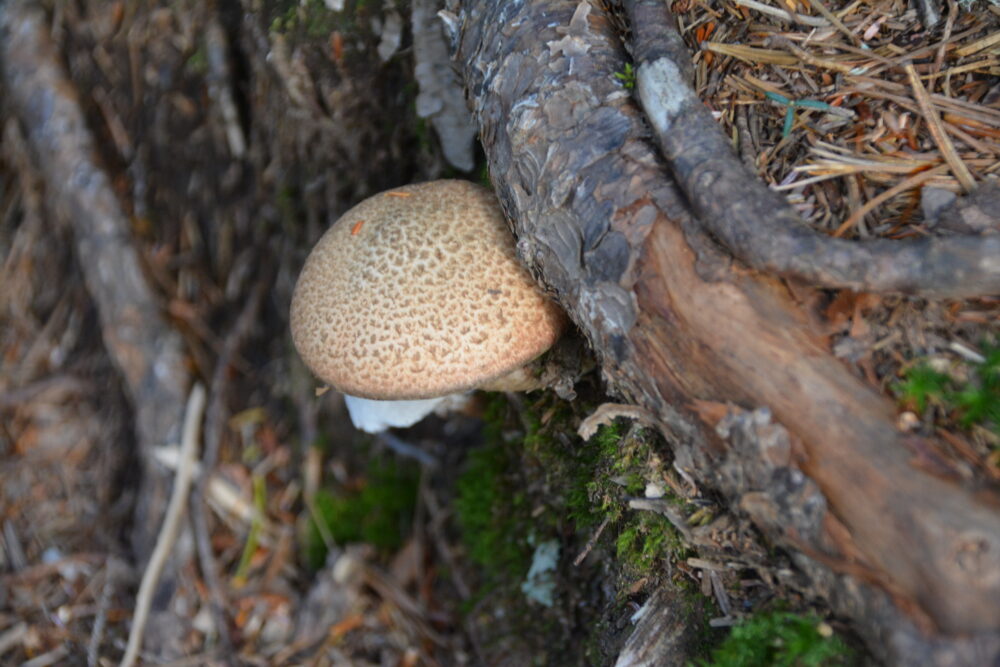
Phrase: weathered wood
[676,324]
[662,636]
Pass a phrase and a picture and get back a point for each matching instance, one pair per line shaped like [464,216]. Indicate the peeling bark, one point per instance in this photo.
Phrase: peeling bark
[912,559]
[440,99]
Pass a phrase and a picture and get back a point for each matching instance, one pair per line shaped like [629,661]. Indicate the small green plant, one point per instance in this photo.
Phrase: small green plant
[253,537]
[980,401]
[780,639]
[976,401]
[627,76]
[922,384]
[791,106]
[197,62]
[311,17]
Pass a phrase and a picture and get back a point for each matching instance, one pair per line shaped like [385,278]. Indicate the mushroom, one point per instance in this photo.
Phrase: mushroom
[416,294]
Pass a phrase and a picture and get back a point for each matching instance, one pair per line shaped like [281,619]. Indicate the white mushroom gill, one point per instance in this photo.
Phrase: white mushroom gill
[374,416]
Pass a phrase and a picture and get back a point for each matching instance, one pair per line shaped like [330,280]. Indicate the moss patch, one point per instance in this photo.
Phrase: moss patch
[580,485]
[534,482]
[492,512]
[377,509]
[780,639]
[593,480]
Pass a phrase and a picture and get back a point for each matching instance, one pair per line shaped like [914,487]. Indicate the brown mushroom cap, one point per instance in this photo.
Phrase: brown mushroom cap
[417,292]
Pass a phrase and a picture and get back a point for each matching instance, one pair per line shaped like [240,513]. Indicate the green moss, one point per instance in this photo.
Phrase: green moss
[921,386]
[588,483]
[535,481]
[698,609]
[484,175]
[491,512]
[622,463]
[378,511]
[780,639]
[645,539]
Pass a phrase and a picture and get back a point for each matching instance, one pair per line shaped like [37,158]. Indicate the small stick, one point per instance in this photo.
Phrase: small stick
[606,413]
[103,603]
[403,448]
[943,46]
[784,14]
[437,517]
[937,131]
[214,425]
[171,524]
[592,541]
[837,23]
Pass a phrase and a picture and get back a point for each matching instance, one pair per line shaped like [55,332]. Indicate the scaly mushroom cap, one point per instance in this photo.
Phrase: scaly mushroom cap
[417,292]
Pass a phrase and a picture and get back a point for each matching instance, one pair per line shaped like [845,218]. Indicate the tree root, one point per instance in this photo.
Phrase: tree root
[756,224]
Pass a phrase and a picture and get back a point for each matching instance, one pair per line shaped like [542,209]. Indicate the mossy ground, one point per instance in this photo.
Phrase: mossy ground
[780,639]
[533,480]
[376,509]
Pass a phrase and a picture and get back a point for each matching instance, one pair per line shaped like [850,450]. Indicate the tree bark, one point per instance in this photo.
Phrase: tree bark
[913,559]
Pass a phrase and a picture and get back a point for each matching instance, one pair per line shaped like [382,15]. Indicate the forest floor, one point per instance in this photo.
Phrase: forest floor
[232,139]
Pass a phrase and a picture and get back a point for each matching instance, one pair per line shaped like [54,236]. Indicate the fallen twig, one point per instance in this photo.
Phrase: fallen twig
[784,14]
[434,526]
[171,524]
[606,413]
[592,542]
[113,575]
[958,167]
[214,425]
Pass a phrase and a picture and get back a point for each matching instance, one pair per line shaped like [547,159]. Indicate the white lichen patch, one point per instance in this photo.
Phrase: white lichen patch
[540,584]
[664,92]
